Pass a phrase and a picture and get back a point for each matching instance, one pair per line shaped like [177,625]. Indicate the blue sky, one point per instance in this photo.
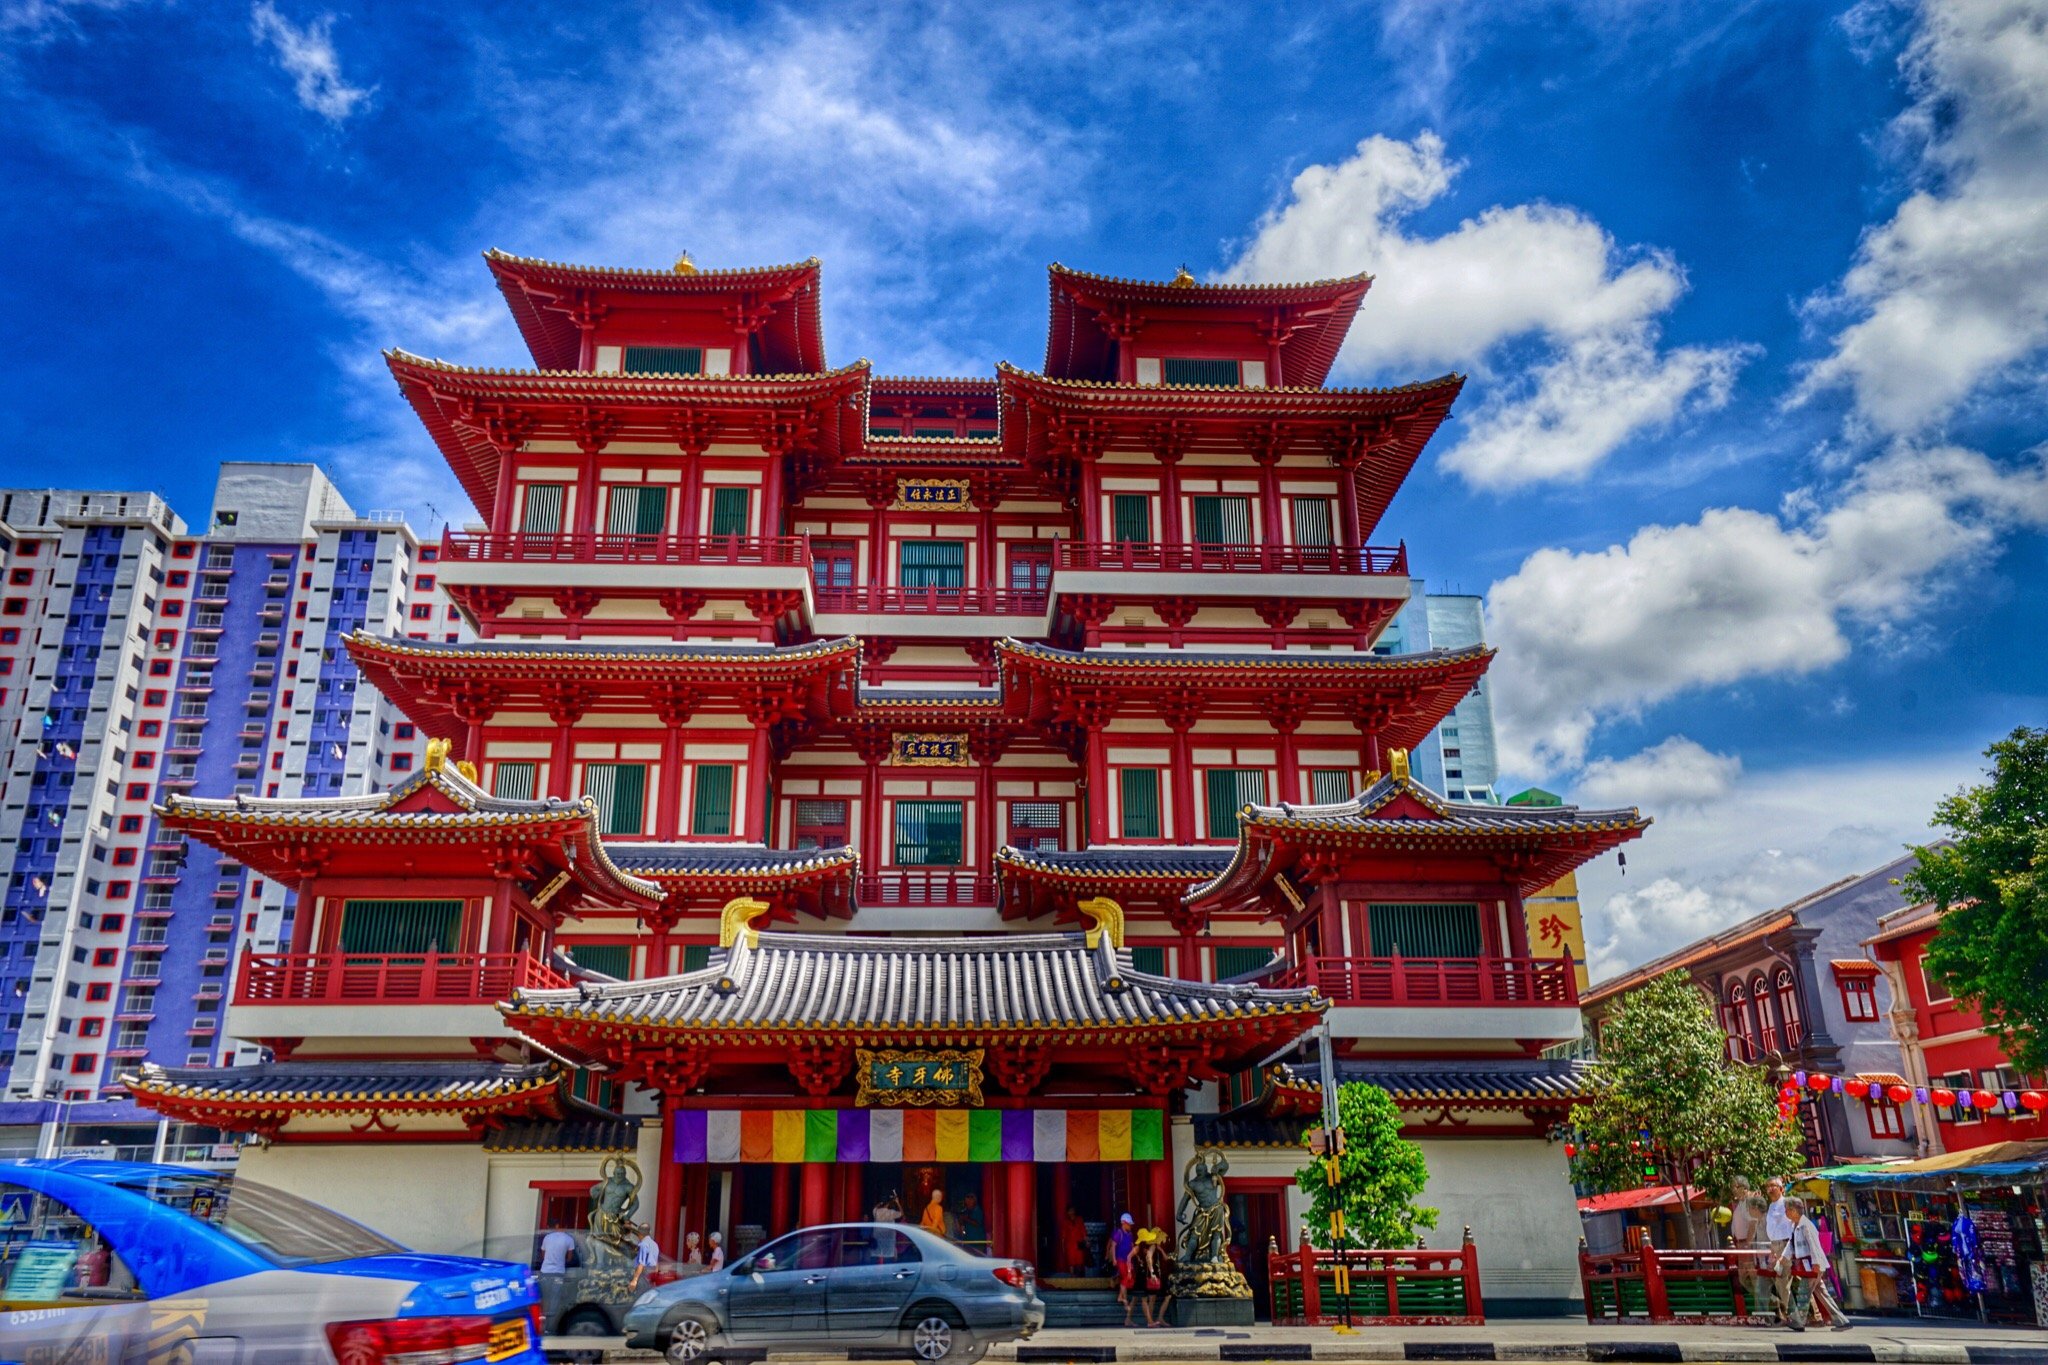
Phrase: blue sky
[1754,298]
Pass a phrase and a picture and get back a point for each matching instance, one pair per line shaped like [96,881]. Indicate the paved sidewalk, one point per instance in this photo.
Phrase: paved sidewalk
[1558,1339]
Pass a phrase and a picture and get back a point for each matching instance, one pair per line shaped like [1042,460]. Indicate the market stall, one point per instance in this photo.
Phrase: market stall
[1958,1236]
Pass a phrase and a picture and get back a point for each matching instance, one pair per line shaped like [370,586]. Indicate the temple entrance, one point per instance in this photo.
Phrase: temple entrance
[1258,1221]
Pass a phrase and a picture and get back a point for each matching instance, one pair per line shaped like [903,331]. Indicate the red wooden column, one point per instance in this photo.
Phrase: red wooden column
[759,756]
[1270,533]
[1020,1212]
[1098,785]
[1159,1175]
[508,476]
[1061,1202]
[1169,510]
[778,1198]
[668,786]
[668,1190]
[1180,714]
[1518,926]
[816,1206]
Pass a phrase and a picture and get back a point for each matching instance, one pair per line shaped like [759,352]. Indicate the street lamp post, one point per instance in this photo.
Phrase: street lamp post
[53,1131]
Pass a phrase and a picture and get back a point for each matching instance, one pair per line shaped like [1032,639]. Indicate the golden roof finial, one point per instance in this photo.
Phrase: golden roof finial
[468,771]
[1397,765]
[437,754]
[684,265]
[1182,278]
[1106,916]
[738,918]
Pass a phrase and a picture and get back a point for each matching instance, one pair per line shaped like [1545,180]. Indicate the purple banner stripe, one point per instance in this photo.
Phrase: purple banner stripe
[853,1135]
[1017,1135]
[691,1127]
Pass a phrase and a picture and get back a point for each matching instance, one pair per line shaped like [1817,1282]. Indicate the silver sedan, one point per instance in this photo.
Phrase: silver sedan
[849,1284]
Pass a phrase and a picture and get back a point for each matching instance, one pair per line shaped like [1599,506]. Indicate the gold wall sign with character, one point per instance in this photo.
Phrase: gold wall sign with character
[942,493]
[928,751]
[918,1078]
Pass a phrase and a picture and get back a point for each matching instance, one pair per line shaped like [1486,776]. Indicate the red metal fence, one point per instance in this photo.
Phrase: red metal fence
[1388,1288]
[588,548]
[926,888]
[891,600]
[1156,557]
[1654,1285]
[371,978]
[1449,981]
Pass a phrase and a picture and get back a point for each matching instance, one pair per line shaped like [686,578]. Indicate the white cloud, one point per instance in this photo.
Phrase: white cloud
[1513,273]
[306,52]
[42,20]
[1739,594]
[1952,290]
[1676,773]
[1770,838]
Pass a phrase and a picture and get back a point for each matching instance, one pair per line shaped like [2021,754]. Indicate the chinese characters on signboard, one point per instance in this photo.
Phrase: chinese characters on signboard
[911,1078]
[932,493]
[928,751]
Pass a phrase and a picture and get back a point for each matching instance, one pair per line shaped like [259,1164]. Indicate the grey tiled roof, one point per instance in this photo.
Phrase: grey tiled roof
[1218,1130]
[314,1082]
[1315,660]
[565,1135]
[654,860]
[1007,981]
[1363,812]
[1449,1081]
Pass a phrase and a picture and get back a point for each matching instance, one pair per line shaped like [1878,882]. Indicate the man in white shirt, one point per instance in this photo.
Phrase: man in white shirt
[555,1250]
[1804,1265]
[1778,1228]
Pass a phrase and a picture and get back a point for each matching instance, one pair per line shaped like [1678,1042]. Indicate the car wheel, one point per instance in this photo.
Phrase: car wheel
[935,1337]
[689,1341]
[588,1323]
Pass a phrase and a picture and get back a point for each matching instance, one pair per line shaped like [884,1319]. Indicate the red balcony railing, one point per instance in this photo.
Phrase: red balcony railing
[525,547]
[938,887]
[389,978]
[1153,557]
[1436,981]
[931,601]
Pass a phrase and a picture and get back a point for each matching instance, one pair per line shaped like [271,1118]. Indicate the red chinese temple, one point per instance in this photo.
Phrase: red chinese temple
[864,786]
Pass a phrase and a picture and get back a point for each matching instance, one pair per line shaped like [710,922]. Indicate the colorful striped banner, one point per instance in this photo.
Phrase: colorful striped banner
[888,1136]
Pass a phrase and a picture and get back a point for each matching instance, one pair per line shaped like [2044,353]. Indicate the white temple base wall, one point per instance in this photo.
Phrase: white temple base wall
[427,1196]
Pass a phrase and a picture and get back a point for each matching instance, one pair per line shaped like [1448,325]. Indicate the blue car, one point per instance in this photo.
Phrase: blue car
[105,1261]
[865,1286]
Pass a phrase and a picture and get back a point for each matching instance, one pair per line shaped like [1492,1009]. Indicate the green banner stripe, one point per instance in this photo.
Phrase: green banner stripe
[821,1135]
[1148,1135]
[984,1135]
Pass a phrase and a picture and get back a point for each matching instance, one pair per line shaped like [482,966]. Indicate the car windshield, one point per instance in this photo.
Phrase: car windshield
[282,1228]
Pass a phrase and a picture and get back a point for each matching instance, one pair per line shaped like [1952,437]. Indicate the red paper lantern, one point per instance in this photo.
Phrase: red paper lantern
[1944,1097]
[1818,1083]
[1571,1149]
[1985,1099]
[2034,1100]
[1789,1093]
[1898,1094]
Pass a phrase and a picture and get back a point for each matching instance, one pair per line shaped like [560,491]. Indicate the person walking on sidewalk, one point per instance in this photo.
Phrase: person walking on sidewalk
[1148,1276]
[1802,1265]
[1122,1244]
[1778,1229]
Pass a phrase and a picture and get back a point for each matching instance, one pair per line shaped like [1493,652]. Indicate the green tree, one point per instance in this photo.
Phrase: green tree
[1379,1176]
[1991,881]
[1668,1106]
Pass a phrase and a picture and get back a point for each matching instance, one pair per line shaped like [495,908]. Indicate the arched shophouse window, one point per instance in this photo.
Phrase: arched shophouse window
[1788,1009]
[1766,1017]
[1742,1031]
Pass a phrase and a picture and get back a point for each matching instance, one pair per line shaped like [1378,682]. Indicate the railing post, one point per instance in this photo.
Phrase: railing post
[1656,1299]
[1475,1299]
[1586,1282]
[1311,1285]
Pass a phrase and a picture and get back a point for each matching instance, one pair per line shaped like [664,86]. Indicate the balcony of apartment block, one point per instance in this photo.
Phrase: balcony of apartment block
[207,621]
[1452,999]
[380,995]
[545,562]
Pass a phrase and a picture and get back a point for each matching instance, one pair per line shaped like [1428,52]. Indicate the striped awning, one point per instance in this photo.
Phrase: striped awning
[894,1135]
